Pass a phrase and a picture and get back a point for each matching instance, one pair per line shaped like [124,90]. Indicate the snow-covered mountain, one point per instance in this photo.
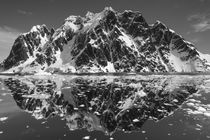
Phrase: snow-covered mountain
[108,41]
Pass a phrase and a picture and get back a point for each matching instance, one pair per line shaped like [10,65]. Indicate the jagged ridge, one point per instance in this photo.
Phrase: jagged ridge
[104,42]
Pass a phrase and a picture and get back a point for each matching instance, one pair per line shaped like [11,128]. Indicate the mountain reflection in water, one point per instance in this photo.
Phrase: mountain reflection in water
[103,103]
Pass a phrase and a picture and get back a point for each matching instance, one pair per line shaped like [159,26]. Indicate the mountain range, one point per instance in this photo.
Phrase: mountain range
[106,42]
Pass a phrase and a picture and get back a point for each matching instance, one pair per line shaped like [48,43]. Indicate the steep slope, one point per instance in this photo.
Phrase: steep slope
[104,42]
[27,47]
[206,59]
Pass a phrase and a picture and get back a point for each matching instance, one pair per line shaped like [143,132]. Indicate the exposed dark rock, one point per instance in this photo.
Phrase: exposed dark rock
[124,40]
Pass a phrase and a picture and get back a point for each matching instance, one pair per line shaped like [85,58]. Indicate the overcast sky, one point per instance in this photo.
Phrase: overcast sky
[190,18]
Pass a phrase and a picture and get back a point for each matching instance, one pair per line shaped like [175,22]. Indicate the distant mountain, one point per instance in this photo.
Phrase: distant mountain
[108,41]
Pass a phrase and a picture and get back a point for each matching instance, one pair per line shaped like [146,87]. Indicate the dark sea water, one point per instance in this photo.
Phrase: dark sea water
[105,107]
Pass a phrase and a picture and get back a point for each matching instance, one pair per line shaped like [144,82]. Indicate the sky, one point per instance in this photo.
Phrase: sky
[189,18]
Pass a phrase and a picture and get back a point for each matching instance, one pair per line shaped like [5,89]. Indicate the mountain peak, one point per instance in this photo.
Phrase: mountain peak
[38,28]
[159,24]
[108,9]
[89,15]
[108,41]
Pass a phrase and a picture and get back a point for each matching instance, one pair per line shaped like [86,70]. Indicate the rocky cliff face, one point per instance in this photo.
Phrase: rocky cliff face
[104,42]
[27,45]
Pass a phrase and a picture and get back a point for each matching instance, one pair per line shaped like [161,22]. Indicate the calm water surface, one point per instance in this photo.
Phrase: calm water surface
[92,107]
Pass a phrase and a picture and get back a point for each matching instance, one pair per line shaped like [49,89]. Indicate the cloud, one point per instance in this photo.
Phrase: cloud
[24,12]
[7,34]
[51,0]
[200,22]
[195,40]
[202,0]
[7,38]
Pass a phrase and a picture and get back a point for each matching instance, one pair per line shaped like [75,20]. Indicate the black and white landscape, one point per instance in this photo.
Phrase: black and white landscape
[105,107]
[108,41]
[110,74]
